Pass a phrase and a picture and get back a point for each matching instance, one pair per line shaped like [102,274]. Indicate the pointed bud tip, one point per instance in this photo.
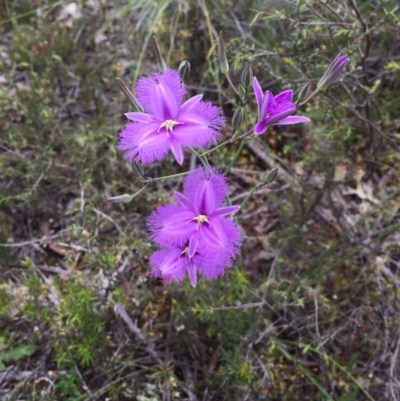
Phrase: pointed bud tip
[247,76]
[162,65]
[126,198]
[237,118]
[332,74]
[130,96]
[222,58]
[269,176]
[184,69]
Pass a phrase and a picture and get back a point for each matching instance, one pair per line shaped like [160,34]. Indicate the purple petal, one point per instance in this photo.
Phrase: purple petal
[139,117]
[219,240]
[200,124]
[196,136]
[293,120]
[210,268]
[161,94]
[193,243]
[259,95]
[168,225]
[207,183]
[285,96]
[266,105]
[177,151]
[260,128]
[226,211]
[189,105]
[142,140]
[191,269]
[168,264]
[184,201]
[282,111]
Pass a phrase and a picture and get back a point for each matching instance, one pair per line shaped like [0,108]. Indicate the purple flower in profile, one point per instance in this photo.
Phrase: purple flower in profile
[168,123]
[172,265]
[274,110]
[199,221]
[333,72]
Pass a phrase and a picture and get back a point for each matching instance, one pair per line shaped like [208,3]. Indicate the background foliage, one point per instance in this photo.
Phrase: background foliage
[310,312]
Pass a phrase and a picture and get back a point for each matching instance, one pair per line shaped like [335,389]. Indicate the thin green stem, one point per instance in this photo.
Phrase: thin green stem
[235,157]
[228,142]
[248,196]
[215,148]
[228,78]
[309,97]
[166,177]
[203,159]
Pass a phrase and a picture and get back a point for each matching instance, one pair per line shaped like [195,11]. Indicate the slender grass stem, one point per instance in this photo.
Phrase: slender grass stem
[309,376]
[337,364]
[333,266]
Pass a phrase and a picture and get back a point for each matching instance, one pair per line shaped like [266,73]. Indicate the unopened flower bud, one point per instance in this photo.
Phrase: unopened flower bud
[125,198]
[237,119]
[137,169]
[162,65]
[304,92]
[241,91]
[184,69]
[269,176]
[132,99]
[333,72]
[247,76]
[223,60]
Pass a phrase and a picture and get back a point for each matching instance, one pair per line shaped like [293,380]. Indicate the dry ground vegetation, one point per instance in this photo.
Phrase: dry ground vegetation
[311,309]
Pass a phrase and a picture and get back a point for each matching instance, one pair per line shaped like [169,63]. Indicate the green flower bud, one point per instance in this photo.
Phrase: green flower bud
[184,69]
[132,99]
[242,91]
[162,66]
[120,199]
[126,198]
[304,92]
[137,169]
[269,176]
[237,118]
[247,76]
[223,61]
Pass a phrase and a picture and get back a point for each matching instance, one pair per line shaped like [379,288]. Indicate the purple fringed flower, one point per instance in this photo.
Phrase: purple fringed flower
[199,218]
[274,110]
[172,265]
[167,122]
[198,227]
[333,72]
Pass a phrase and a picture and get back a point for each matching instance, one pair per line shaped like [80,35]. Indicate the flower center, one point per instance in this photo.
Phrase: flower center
[168,125]
[201,218]
[184,252]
